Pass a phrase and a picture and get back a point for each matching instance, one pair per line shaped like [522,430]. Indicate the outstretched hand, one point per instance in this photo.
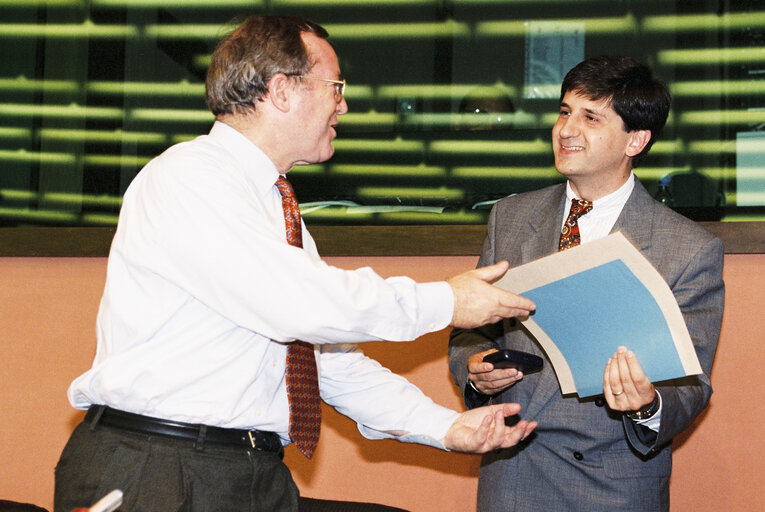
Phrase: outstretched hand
[477,303]
[483,429]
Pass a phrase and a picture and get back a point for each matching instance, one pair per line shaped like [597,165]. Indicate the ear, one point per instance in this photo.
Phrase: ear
[280,89]
[637,142]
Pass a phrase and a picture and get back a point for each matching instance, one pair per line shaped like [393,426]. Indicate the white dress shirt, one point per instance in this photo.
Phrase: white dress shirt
[203,293]
[597,224]
[599,221]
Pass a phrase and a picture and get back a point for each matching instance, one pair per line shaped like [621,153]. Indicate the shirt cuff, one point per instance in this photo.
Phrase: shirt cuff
[429,430]
[437,311]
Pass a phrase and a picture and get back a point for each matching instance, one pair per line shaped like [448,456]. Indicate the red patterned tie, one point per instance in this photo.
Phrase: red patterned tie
[569,236]
[301,375]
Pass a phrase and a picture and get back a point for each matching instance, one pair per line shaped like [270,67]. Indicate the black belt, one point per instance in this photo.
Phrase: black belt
[108,417]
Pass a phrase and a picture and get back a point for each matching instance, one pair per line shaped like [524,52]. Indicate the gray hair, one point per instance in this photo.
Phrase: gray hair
[244,62]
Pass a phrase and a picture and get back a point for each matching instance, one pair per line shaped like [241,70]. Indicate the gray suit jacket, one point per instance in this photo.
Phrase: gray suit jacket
[583,456]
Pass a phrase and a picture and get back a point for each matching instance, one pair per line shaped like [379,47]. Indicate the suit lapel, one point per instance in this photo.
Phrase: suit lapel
[637,217]
[545,227]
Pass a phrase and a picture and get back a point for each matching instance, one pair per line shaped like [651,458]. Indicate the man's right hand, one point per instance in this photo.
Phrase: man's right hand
[477,303]
[487,379]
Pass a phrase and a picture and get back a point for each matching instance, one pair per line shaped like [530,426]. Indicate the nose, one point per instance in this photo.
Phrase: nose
[566,126]
[342,106]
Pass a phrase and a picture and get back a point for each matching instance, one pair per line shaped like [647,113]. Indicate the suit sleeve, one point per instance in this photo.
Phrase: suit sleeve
[463,343]
[700,292]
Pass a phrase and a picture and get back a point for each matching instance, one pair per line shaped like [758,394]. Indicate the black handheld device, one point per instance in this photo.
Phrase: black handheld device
[522,361]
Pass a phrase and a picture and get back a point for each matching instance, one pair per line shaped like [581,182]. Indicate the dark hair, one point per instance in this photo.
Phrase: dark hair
[244,62]
[641,100]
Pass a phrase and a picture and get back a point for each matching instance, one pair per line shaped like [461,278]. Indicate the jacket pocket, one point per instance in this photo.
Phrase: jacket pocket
[625,464]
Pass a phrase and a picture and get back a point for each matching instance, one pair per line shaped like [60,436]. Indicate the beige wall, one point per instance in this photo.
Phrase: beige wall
[47,312]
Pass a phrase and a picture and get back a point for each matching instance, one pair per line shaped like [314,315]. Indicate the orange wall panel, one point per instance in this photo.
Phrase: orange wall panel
[47,335]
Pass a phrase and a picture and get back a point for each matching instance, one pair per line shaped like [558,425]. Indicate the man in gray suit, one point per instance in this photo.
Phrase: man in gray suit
[612,452]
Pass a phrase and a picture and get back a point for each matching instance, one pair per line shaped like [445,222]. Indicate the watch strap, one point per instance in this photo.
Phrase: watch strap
[645,412]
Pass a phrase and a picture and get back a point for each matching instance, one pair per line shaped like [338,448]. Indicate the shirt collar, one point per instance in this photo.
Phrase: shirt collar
[258,169]
[606,205]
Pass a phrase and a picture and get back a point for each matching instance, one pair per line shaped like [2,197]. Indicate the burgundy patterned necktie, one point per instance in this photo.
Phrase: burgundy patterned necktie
[301,375]
[569,236]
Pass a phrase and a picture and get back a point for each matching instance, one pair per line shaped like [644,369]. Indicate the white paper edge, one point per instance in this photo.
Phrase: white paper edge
[559,363]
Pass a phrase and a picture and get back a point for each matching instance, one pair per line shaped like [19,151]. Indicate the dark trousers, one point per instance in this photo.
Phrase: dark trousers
[160,474]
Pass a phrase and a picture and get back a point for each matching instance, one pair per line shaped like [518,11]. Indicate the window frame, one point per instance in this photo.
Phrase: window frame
[396,240]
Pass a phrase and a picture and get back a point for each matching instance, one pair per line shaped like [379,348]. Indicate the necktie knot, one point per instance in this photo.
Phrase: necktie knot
[285,187]
[569,236]
[580,207]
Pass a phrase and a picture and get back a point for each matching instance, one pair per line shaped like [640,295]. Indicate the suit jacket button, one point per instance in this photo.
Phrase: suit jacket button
[600,401]
[578,455]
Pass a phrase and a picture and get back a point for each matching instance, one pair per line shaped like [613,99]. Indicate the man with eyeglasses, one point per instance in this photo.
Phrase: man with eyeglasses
[219,319]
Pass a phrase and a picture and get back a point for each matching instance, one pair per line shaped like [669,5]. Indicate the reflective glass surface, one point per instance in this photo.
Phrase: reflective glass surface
[451,102]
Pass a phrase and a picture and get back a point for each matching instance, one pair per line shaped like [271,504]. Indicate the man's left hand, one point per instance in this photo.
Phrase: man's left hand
[483,429]
[625,386]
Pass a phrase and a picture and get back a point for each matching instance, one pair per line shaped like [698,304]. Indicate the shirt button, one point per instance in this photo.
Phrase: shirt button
[578,455]
[432,327]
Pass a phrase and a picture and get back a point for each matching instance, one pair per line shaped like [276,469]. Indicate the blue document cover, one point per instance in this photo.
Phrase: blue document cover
[592,313]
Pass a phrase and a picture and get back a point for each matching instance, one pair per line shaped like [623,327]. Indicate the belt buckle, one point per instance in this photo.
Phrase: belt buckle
[252,439]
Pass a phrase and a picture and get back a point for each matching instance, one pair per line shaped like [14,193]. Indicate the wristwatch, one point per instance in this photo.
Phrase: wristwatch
[645,412]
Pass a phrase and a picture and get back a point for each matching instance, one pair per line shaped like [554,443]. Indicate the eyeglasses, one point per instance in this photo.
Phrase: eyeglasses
[339,85]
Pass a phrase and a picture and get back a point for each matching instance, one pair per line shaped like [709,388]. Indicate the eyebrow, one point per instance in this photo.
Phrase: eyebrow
[599,113]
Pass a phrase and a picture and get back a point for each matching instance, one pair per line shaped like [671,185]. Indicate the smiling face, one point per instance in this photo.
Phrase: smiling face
[591,147]
[318,108]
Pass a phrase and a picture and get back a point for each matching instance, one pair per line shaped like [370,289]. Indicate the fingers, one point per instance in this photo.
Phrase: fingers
[506,299]
[477,367]
[643,389]
[476,302]
[483,429]
[635,370]
[625,385]
[617,381]
[493,433]
[487,379]
[510,305]
[518,433]
[520,306]
[506,409]
[495,381]
[612,378]
[505,437]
